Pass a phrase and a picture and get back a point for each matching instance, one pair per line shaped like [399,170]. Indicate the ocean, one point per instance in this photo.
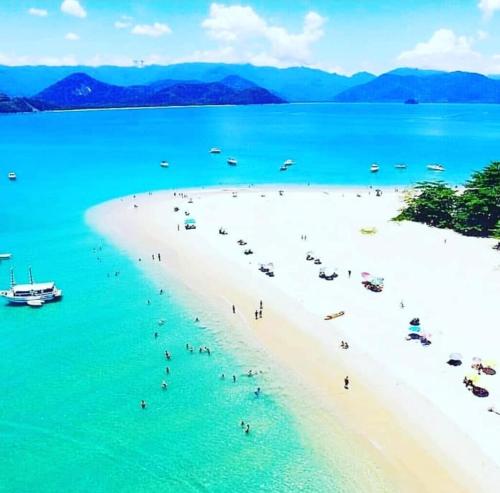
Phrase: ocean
[72,374]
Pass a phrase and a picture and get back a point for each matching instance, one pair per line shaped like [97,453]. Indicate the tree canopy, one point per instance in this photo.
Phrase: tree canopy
[473,212]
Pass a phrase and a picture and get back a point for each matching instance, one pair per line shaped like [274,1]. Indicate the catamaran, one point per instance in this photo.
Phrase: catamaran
[435,167]
[34,291]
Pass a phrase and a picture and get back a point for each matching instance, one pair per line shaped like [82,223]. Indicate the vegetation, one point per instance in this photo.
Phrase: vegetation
[473,212]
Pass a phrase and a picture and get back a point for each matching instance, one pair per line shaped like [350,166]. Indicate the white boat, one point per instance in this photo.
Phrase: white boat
[288,162]
[400,166]
[5,256]
[283,168]
[23,293]
[232,162]
[164,164]
[374,167]
[35,303]
[12,176]
[435,167]
[215,150]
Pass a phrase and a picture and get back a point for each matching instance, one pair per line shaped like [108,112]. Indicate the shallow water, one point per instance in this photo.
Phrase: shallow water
[73,373]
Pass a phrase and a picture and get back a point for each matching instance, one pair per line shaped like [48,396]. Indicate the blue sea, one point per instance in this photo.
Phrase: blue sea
[72,374]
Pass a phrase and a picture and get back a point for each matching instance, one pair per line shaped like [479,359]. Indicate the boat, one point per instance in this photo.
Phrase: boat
[435,167]
[5,256]
[35,303]
[400,166]
[12,176]
[288,162]
[283,168]
[33,291]
[374,167]
[164,164]
[215,150]
[232,162]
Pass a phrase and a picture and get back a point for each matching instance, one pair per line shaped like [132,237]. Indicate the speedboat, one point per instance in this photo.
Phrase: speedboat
[232,162]
[164,164]
[435,167]
[288,162]
[374,167]
[24,293]
[12,176]
[400,166]
[283,168]
[35,303]
[5,256]
[215,150]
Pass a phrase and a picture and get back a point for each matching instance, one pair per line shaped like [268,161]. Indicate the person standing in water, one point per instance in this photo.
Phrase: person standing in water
[164,385]
[143,404]
[234,378]
[247,430]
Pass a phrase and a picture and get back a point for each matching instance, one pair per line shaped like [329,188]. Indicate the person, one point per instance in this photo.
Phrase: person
[208,351]
[234,378]
[161,291]
[167,355]
[167,370]
[234,309]
[256,314]
[260,313]
[346,346]
[223,377]
[349,273]
[164,385]
[153,256]
[346,383]
[242,424]
[156,335]
[402,305]
[257,392]
[196,319]
[247,430]
[159,257]
[143,404]
[261,306]
[342,344]
[187,345]
[149,302]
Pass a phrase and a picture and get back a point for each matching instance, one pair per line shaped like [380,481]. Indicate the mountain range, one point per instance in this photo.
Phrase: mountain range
[32,88]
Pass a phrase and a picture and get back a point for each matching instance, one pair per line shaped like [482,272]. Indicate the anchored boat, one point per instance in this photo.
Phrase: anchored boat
[435,167]
[232,162]
[32,292]
[374,167]
[215,150]
[12,176]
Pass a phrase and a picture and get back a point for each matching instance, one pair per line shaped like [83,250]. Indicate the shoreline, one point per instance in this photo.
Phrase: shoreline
[400,444]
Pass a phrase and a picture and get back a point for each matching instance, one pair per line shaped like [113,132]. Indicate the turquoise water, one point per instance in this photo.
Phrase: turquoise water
[73,373]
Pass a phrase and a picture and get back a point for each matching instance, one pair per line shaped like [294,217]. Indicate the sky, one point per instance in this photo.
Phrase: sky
[343,36]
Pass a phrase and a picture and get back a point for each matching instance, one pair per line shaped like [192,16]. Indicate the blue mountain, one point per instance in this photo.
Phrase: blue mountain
[453,87]
[291,84]
[79,90]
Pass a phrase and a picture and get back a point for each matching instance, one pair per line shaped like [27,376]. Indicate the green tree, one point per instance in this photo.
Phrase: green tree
[434,204]
[478,207]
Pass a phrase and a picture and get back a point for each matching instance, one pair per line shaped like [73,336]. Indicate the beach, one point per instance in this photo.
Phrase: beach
[404,404]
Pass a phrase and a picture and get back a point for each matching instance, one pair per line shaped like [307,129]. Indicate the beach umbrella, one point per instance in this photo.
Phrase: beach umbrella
[414,328]
[476,360]
[455,357]
[474,378]
[488,363]
[189,221]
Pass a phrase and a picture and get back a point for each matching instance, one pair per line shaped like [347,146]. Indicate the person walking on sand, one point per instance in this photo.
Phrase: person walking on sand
[346,383]
[260,313]
[261,306]
[159,257]
[234,309]
[256,314]
[349,273]
[402,305]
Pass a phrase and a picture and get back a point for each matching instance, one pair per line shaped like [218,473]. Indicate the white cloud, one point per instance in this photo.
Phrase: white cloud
[488,7]
[74,8]
[446,50]
[247,37]
[154,30]
[16,60]
[38,12]
[72,37]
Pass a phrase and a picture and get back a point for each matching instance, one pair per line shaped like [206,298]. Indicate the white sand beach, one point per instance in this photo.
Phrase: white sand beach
[428,431]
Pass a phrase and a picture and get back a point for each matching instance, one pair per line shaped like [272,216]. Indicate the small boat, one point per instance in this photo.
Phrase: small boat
[215,150]
[12,176]
[35,303]
[232,162]
[23,293]
[5,256]
[288,162]
[164,164]
[374,167]
[400,166]
[435,167]
[283,168]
